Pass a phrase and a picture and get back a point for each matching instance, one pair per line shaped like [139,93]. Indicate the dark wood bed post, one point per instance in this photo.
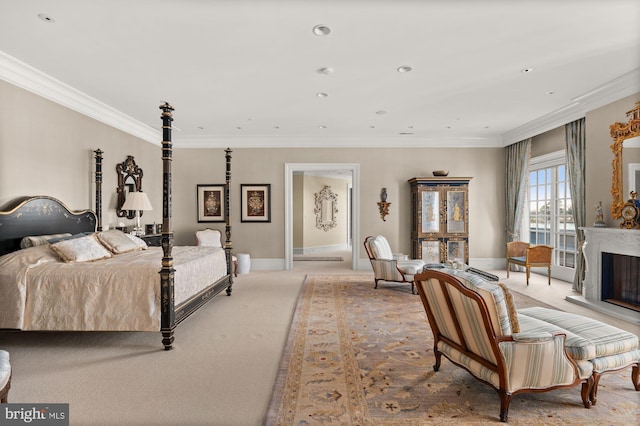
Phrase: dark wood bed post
[98,153]
[227,245]
[167,273]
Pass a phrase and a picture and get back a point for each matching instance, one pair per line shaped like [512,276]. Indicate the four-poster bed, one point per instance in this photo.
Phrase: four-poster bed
[117,290]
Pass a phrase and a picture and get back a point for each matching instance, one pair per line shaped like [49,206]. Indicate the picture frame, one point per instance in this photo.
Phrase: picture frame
[211,203]
[255,202]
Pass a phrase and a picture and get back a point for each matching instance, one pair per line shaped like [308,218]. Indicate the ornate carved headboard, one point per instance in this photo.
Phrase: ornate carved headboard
[40,215]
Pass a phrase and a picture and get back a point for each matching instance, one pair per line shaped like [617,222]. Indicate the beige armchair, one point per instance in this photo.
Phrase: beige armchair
[472,328]
[524,254]
[213,238]
[385,267]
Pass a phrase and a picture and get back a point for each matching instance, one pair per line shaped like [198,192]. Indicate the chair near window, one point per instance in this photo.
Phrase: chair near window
[524,254]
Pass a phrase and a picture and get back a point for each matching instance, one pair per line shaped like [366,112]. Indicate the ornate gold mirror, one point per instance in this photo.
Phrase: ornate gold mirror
[326,209]
[620,132]
[129,180]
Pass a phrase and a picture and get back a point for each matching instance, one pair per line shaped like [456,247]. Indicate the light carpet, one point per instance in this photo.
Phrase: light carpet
[318,258]
[359,356]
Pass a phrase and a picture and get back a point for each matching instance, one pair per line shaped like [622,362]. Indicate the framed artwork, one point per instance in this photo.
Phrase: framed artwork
[456,212]
[431,251]
[456,250]
[255,202]
[211,206]
[430,211]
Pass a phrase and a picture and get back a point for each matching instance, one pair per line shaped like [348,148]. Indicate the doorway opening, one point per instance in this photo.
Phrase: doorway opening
[354,231]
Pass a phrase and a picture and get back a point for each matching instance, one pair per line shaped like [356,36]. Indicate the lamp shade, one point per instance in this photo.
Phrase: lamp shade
[137,201]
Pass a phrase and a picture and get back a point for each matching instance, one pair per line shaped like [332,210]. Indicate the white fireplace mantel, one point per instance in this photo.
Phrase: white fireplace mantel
[598,241]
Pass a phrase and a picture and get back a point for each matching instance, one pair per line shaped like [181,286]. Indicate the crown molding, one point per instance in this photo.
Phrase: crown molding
[29,78]
[337,142]
[616,89]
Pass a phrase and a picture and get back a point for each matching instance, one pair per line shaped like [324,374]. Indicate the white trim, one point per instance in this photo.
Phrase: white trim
[289,168]
[25,76]
[554,158]
[616,89]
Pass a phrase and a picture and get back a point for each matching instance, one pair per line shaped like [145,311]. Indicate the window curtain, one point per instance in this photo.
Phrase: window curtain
[575,144]
[517,159]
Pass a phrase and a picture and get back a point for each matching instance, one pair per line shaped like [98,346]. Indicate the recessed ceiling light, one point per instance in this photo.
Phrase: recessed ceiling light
[526,70]
[321,30]
[381,112]
[46,17]
[551,92]
[321,95]
[404,68]
[325,70]
[322,126]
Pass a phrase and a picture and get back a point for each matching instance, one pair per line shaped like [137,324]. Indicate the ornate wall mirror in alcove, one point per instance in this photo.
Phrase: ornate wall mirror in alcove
[621,134]
[129,180]
[326,209]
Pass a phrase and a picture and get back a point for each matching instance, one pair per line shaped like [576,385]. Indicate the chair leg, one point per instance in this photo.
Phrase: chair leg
[508,267]
[505,400]
[635,375]
[528,271]
[587,387]
[549,274]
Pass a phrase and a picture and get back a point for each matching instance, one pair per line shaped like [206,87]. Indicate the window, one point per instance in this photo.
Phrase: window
[550,215]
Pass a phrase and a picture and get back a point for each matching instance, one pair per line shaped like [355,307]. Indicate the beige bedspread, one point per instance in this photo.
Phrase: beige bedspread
[40,292]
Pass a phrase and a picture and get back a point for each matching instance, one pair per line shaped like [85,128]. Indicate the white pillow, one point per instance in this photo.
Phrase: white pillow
[118,242]
[139,242]
[85,249]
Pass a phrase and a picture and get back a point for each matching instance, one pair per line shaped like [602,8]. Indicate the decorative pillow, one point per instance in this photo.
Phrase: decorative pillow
[40,240]
[69,237]
[117,241]
[84,249]
[139,242]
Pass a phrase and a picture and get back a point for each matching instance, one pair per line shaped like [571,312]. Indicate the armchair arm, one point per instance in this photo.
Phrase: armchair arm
[537,361]
[386,269]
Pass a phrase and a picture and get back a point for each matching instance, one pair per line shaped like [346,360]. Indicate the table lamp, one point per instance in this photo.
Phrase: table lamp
[137,201]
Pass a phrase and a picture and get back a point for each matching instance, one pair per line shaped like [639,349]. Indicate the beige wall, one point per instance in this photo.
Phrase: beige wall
[381,167]
[312,237]
[47,149]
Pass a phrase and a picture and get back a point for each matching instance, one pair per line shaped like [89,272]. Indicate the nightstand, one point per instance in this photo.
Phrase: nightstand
[152,240]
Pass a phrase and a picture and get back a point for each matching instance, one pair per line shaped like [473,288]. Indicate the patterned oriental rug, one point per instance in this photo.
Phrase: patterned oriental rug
[359,356]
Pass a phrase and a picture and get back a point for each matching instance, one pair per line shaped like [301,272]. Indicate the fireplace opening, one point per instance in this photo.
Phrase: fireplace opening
[621,280]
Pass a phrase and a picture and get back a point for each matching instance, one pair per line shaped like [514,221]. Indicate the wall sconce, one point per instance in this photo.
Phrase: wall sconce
[383,206]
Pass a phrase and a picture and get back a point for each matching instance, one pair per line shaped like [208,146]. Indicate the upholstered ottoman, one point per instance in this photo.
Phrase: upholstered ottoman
[5,376]
[607,348]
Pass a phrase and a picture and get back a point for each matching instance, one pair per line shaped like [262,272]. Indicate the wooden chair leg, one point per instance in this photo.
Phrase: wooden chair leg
[528,271]
[549,274]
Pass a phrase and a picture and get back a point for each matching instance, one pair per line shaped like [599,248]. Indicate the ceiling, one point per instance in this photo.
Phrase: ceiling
[247,73]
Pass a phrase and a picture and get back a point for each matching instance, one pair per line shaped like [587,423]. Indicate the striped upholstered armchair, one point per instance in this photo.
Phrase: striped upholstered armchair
[385,267]
[474,328]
